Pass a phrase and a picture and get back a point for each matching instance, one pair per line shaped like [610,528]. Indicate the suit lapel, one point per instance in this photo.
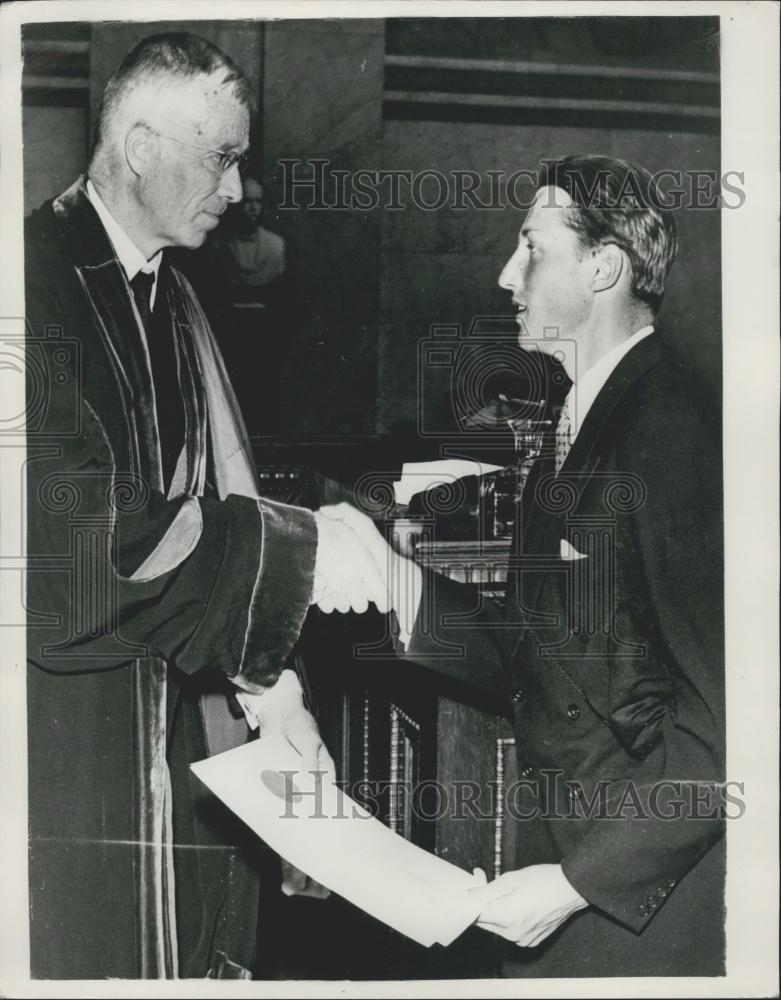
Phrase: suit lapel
[640,359]
[549,499]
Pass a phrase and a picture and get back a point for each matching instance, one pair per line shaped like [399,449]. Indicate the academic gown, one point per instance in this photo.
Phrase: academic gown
[609,649]
[138,602]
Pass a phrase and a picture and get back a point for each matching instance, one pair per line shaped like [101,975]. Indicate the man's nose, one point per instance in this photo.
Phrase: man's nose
[511,278]
[230,184]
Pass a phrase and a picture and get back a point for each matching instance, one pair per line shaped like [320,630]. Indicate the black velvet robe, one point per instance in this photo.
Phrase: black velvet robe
[135,603]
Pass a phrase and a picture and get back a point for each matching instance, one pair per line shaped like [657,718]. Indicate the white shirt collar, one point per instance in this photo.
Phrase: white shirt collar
[581,396]
[130,257]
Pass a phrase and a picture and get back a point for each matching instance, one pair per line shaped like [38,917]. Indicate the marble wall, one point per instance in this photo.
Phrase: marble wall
[322,99]
[55,151]
[375,281]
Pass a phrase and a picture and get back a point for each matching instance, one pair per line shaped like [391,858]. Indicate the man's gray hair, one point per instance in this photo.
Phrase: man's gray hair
[173,56]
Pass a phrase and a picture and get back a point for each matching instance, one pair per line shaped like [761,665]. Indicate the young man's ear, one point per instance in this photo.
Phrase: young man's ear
[610,262]
[138,149]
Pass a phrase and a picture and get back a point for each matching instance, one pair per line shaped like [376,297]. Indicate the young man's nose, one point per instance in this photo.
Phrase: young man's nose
[511,278]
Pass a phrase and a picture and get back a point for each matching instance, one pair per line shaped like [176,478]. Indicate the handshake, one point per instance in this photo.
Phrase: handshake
[356,566]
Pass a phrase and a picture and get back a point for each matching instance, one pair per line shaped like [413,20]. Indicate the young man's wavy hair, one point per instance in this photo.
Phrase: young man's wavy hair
[616,202]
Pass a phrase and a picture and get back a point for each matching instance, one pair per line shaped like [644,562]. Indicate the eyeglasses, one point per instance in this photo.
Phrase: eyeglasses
[226,160]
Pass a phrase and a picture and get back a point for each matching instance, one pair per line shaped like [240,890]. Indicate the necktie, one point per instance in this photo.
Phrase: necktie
[142,293]
[563,436]
[165,376]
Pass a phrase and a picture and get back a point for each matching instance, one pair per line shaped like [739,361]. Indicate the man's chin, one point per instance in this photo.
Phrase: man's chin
[547,345]
[206,222]
[534,342]
[194,239]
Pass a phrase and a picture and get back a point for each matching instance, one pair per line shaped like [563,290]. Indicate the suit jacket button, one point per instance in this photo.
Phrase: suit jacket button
[643,910]
[527,771]
[653,902]
[661,891]
[573,711]
[519,695]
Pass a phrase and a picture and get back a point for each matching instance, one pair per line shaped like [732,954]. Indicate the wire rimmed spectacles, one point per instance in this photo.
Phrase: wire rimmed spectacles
[226,159]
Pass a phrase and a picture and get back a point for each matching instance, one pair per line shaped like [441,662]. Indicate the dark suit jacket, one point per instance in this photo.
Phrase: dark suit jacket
[614,666]
[103,642]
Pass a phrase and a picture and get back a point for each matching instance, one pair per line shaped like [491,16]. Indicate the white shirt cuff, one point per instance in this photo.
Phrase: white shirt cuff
[287,686]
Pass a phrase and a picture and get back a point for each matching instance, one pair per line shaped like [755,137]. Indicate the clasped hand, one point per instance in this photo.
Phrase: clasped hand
[353,564]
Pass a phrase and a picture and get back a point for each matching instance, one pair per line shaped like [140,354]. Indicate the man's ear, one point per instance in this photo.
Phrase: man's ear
[138,149]
[610,262]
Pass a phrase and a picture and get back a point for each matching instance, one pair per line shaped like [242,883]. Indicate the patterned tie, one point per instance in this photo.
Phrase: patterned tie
[563,435]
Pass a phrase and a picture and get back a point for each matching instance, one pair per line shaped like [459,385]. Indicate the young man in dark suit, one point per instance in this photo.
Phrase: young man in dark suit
[609,644]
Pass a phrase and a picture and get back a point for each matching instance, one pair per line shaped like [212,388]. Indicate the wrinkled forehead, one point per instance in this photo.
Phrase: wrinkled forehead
[208,108]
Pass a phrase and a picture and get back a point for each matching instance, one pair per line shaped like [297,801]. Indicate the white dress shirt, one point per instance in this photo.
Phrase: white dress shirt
[128,254]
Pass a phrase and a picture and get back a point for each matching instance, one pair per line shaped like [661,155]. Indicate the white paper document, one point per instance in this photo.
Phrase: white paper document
[419,476]
[325,833]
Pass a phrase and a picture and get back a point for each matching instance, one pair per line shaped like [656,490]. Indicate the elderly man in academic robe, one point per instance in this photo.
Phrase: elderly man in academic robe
[161,586]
